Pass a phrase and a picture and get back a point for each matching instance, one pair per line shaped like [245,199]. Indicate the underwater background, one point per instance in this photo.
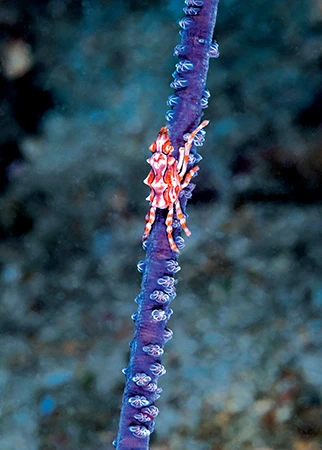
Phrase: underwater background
[83,89]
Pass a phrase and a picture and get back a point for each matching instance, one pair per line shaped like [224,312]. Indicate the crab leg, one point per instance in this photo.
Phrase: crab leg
[189,176]
[150,218]
[182,218]
[181,159]
[168,223]
[188,146]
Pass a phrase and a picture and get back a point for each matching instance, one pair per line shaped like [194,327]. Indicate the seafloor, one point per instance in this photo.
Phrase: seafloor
[83,89]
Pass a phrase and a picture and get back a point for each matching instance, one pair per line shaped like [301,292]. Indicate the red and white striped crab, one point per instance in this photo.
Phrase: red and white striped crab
[167,178]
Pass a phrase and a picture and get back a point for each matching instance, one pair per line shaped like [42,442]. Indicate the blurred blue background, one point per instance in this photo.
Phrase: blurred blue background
[83,89]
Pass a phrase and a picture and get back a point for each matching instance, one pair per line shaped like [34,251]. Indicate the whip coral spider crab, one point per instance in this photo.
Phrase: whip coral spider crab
[167,178]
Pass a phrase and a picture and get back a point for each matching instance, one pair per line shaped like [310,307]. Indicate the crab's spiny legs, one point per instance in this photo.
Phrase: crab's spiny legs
[189,176]
[181,159]
[188,146]
[150,218]
[182,218]
[194,132]
[168,223]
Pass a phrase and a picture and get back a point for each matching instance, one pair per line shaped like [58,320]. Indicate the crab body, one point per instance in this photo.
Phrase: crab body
[163,180]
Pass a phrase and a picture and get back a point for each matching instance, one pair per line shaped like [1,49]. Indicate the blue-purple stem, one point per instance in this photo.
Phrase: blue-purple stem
[160,265]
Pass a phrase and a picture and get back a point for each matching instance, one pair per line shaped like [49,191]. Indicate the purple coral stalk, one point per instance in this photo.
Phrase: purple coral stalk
[194,51]
[158,285]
